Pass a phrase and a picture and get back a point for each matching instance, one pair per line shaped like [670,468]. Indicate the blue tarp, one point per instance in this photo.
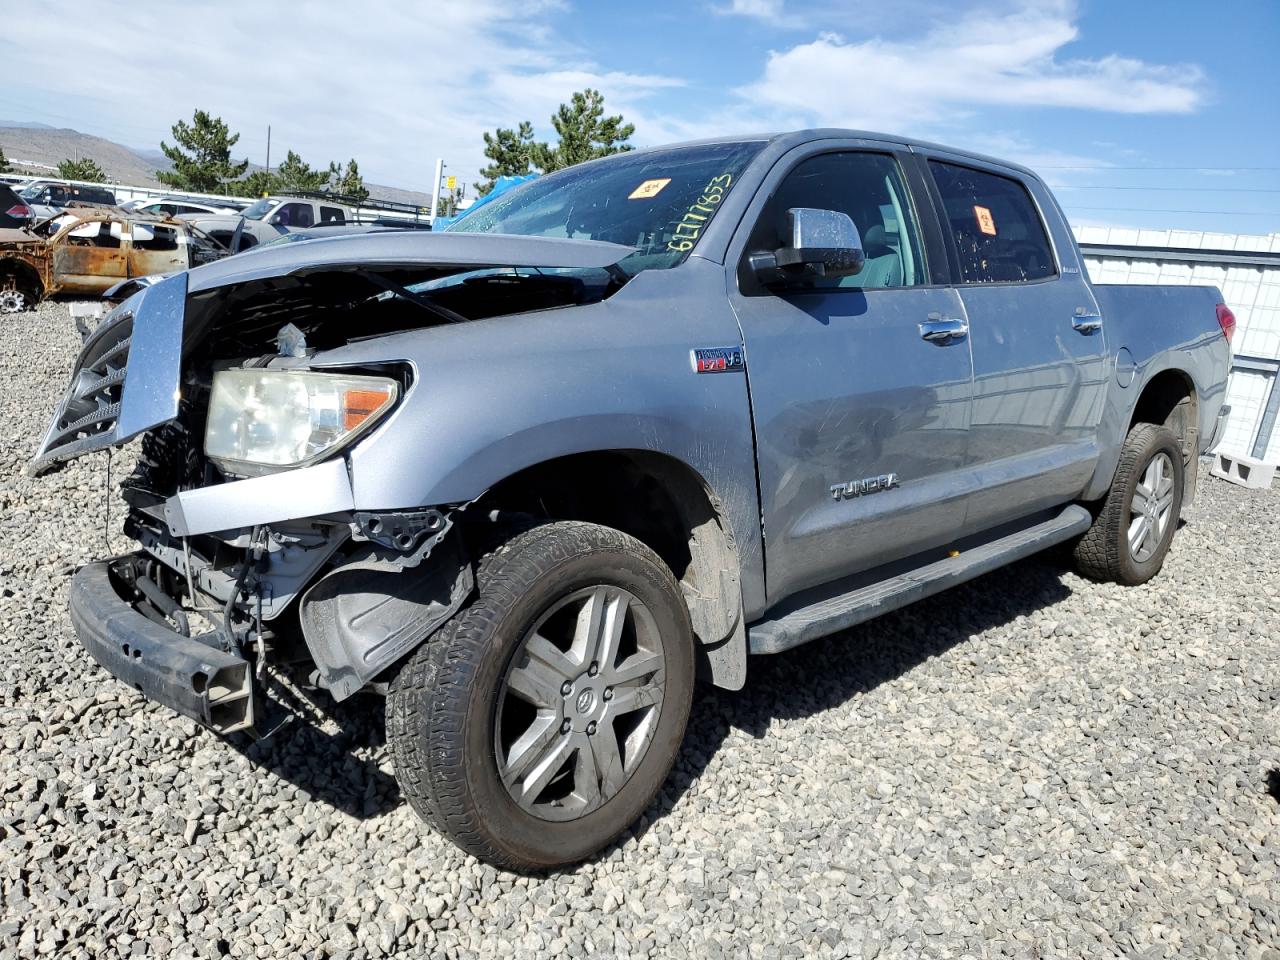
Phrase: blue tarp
[500,186]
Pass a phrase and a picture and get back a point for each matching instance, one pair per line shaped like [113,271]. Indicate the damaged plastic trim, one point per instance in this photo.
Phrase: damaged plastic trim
[371,610]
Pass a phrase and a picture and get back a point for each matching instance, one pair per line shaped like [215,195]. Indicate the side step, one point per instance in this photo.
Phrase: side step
[790,628]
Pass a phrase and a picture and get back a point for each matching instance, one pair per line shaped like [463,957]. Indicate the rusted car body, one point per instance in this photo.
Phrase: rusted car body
[89,251]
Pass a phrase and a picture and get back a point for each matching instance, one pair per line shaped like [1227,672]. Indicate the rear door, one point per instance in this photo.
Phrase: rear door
[154,248]
[1039,350]
[846,392]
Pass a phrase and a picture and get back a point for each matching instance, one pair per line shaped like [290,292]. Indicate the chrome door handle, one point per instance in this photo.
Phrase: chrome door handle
[943,330]
[1086,322]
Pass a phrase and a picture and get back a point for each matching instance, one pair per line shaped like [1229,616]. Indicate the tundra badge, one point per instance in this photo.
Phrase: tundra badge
[860,488]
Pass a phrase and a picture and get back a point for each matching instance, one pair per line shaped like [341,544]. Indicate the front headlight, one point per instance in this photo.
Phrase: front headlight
[261,420]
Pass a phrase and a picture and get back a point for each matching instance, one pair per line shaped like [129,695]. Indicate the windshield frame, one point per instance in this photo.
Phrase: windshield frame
[268,204]
[713,169]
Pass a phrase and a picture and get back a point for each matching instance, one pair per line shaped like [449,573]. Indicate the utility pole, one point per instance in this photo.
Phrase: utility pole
[435,190]
[268,148]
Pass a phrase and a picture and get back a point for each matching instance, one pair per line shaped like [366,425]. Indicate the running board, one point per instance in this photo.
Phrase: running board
[811,621]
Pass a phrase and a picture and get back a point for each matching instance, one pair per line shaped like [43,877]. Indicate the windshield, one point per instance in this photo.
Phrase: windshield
[657,201]
[258,209]
[31,192]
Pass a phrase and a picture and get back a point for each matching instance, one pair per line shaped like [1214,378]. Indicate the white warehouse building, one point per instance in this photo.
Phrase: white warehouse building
[1247,270]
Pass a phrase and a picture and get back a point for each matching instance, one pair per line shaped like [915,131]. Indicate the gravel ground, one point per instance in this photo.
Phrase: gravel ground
[1032,765]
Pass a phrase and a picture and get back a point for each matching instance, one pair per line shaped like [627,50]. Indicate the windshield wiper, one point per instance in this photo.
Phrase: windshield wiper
[426,303]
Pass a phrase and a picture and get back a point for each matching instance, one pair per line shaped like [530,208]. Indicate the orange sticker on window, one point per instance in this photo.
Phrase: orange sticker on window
[650,188]
[985,221]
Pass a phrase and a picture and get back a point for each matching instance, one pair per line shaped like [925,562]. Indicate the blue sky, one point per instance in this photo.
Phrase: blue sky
[1140,113]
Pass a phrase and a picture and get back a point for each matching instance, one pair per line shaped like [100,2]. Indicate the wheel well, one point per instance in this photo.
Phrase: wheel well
[1170,400]
[655,498]
[17,272]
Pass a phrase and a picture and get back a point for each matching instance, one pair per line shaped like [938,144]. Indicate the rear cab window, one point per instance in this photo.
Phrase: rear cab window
[997,230]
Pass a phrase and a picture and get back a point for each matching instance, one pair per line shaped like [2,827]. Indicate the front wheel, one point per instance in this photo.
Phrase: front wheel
[541,722]
[1133,531]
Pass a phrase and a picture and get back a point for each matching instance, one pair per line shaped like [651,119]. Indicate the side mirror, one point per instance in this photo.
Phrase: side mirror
[820,243]
[142,233]
[276,219]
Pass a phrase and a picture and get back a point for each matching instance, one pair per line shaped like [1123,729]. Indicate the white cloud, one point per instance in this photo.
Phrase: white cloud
[991,57]
[759,9]
[394,85]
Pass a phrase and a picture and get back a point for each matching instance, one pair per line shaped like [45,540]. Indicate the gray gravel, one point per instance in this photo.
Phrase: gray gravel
[1032,765]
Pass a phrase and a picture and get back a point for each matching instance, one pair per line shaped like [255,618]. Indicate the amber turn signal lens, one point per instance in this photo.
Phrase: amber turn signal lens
[359,405]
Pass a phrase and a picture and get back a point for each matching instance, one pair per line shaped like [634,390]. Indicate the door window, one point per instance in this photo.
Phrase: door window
[332,215]
[997,230]
[154,238]
[294,215]
[869,187]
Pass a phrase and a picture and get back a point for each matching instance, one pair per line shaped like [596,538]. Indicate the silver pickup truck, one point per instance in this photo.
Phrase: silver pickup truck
[624,426]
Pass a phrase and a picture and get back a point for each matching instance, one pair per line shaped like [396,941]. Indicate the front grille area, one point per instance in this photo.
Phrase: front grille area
[86,419]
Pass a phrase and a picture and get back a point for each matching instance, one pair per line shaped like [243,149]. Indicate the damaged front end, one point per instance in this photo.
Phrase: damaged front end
[253,547]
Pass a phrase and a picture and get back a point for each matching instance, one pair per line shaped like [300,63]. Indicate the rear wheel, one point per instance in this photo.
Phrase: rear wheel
[1134,528]
[543,719]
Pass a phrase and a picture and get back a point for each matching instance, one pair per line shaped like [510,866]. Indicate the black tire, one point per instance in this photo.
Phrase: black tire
[1104,552]
[442,707]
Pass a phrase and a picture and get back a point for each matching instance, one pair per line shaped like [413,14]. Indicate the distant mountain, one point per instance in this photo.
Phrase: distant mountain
[39,143]
[153,155]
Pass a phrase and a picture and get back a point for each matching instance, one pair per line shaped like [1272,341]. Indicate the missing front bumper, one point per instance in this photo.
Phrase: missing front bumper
[190,676]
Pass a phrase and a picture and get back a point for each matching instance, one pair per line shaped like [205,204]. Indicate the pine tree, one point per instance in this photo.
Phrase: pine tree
[296,174]
[585,133]
[201,155]
[511,152]
[349,183]
[82,168]
[259,183]
[5,165]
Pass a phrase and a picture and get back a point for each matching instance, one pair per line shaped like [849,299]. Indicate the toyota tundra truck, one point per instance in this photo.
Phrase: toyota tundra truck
[617,431]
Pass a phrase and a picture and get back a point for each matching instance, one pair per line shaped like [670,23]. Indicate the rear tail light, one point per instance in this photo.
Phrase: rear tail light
[19,210]
[1226,320]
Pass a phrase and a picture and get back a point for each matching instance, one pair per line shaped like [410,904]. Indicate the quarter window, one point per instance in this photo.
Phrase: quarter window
[868,187]
[332,215]
[997,230]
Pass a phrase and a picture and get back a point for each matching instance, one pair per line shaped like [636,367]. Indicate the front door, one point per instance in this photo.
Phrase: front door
[1039,350]
[861,422]
[89,257]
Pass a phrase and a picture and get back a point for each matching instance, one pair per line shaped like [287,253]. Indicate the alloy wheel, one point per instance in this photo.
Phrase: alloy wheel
[1151,508]
[579,704]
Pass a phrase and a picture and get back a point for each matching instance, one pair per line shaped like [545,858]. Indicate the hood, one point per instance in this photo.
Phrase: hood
[128,377]
[448,252]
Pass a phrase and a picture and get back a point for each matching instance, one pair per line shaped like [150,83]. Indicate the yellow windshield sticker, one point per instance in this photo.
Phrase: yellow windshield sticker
[650,188]
[986,223]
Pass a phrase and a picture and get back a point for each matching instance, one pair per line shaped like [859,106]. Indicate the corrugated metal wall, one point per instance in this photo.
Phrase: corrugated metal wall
[1247,270]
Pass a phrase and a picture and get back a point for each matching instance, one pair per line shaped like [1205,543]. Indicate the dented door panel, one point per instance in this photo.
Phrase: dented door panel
[90,257]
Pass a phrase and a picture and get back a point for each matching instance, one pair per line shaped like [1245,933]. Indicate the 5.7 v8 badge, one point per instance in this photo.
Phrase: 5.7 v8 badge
[717,359]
